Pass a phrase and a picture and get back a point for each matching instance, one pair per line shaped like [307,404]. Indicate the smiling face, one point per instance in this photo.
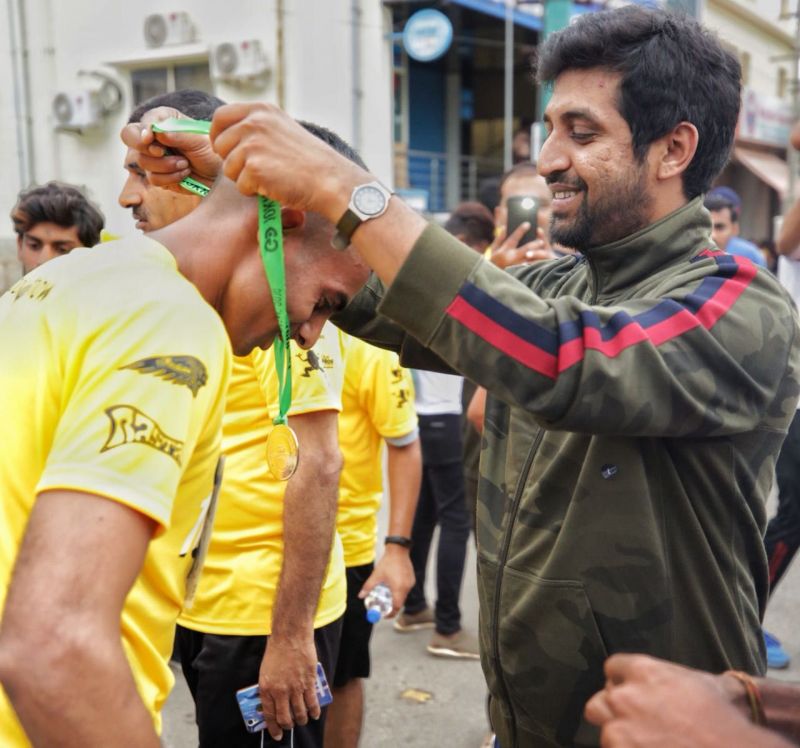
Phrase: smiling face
[45,241]
[153,207]
[601,193]
[319,282]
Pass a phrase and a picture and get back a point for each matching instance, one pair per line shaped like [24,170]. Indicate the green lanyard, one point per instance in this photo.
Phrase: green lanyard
[282,448]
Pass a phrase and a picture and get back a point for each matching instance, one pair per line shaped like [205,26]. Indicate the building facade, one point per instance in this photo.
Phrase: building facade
[72,71]
[761,33]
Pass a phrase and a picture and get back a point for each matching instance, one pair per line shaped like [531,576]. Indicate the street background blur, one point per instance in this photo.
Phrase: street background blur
[430,93]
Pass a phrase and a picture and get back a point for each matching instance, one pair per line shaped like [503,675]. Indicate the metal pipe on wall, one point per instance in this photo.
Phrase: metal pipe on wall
[355,54]
[17,30]
[508,99]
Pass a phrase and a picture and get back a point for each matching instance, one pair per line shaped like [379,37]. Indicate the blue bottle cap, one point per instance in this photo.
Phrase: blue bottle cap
[373,615]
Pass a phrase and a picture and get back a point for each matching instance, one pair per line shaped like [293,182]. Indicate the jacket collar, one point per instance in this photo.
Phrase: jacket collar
[627,261]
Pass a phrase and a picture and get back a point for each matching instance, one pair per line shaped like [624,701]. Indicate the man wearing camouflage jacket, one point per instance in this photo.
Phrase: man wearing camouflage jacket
[638,395]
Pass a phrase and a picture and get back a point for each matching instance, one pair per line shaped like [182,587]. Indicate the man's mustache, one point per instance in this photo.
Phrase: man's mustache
[564,179]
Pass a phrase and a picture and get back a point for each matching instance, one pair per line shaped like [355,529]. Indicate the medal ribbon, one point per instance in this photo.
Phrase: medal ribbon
[270,239]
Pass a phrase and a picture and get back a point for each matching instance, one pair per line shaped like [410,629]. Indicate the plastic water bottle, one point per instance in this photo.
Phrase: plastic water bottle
[378,603]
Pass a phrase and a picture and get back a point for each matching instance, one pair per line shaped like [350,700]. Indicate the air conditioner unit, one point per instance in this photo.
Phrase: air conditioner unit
[161,29]
[240,62]
[77,110]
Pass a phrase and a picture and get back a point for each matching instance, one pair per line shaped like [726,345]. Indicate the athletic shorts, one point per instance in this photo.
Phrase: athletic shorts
[353,659]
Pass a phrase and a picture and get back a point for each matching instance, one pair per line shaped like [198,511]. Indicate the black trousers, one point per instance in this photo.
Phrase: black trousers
[783,531]
[441,501]
[216,667]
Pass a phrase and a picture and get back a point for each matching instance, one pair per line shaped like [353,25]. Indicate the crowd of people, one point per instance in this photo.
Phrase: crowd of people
[605,402]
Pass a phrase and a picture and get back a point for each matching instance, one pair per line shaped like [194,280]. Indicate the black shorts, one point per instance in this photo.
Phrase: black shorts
[353,659]
[216,667]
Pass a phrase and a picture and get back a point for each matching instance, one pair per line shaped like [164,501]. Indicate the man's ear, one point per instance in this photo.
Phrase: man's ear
[291,218]
[19,247]
[676,150]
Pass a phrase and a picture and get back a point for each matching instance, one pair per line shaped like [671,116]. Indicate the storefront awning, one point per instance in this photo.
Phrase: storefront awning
[769,168]
[493,8]
[498,10]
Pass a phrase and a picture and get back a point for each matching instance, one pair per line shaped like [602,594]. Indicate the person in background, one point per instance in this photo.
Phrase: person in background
[770,254]
[443,500]
[266,607]
[52,220]
[725,207]
[782,538]
[521,180]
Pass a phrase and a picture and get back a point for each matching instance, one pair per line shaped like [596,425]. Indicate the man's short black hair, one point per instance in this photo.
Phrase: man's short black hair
[334,141]
[62,204]
[190,101]
[521,169]
[473,222]
[717,202]
[672,70]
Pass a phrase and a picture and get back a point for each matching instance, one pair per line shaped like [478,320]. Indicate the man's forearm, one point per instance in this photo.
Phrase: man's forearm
[404,472]
[84,697]
[788,242]
[309,519]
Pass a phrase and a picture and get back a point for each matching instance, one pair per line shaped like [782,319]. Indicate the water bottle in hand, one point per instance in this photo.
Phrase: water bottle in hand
[378,603]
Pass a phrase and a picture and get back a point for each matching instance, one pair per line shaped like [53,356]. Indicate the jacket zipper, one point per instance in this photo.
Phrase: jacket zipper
[595,280]
[523,479]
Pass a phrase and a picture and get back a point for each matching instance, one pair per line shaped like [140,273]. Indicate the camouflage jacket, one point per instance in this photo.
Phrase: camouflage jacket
[638,400]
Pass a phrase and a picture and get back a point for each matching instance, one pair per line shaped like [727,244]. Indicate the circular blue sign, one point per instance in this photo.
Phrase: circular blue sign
[427,35]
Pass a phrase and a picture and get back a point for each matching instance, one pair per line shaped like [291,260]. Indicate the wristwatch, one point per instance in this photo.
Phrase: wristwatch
[366,201]
[398,540]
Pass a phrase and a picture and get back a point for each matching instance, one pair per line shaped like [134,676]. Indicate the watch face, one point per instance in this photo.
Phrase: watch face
[369,200]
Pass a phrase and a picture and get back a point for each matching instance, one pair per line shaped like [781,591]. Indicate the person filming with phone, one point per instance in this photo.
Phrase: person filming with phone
[522,218]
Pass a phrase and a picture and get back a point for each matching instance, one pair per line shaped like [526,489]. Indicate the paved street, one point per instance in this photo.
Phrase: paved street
[454,715]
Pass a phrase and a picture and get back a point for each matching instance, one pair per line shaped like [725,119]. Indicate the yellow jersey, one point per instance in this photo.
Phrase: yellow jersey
[377,404]
[115,388]
[237,587]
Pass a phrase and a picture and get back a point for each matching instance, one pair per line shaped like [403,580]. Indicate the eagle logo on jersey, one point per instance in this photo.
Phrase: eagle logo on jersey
[182,370]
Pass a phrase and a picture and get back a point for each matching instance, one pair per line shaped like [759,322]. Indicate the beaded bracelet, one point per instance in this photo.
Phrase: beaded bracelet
[757,714]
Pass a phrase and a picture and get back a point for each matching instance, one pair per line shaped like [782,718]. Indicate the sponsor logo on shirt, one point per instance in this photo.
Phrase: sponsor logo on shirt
[310,361]
[130,426]
[36,289]
[181,370]
[401,392]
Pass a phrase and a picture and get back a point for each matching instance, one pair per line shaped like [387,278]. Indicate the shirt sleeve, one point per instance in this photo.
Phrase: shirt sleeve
[712,351]
[139,388]
[387,394]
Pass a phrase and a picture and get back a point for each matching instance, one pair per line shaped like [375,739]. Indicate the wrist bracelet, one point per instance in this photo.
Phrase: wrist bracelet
[398,540]
[757,715]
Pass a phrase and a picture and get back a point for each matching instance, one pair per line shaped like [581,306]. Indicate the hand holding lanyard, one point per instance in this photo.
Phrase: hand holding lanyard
[283,449]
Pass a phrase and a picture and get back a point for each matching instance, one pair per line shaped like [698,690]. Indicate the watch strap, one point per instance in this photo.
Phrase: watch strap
[398,540]
[347,225]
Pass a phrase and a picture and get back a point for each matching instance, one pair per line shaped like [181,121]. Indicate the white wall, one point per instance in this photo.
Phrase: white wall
[733,21]
[65,37]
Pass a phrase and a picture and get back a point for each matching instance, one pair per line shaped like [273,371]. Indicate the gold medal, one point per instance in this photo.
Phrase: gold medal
[283,452]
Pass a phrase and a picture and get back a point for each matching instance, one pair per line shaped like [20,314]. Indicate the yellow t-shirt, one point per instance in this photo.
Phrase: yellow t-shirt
[377,404]
[112,382]
[237,587]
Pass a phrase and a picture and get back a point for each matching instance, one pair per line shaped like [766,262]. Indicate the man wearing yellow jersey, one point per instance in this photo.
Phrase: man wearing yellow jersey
[265,577]
[111,400]
[377,407]
[270,581]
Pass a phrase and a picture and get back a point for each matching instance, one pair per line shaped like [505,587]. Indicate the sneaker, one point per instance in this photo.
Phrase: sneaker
[406,622]
[776,655]
[459,645]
